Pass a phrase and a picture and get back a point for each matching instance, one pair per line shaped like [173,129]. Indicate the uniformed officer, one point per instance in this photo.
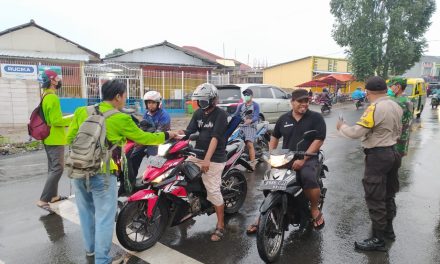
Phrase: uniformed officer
[379,127]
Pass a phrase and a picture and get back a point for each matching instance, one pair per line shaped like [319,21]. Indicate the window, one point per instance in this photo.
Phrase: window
[229,95]
[278,93]
[315,64]
[261,91]
[408,90]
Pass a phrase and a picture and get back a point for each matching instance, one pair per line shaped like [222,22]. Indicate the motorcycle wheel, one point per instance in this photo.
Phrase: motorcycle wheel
[322,109]
[135,231]
[234,190]
[270,234]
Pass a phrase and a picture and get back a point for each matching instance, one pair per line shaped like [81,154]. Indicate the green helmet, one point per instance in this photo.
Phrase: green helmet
[397,80]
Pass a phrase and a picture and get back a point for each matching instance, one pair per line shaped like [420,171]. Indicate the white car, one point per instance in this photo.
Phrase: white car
[272,100]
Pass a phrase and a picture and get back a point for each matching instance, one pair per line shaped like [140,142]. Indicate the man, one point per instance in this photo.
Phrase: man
[249,127]
[54,143]
[160,120]
[97,200]
[379,128]
[358,94]
[291,127]
[396,88]
[211,122]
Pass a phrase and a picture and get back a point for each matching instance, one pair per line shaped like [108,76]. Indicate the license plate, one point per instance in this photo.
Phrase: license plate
[274,185]
[156,161]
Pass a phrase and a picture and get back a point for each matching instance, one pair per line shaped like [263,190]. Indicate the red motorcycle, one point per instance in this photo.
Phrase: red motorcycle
[174,192]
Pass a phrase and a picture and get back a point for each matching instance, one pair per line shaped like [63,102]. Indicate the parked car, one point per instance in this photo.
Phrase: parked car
[272,100]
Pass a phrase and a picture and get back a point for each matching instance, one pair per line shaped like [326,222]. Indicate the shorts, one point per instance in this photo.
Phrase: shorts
[212,180]
[249,131]
[308,174]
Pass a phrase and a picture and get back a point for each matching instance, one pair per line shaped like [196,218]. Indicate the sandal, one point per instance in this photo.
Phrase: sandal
[46,207]
[60,198]
[316,220]
[218,234]
[252,229]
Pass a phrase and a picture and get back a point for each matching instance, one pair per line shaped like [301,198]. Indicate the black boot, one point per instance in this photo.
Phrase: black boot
[389,230]
[375,243]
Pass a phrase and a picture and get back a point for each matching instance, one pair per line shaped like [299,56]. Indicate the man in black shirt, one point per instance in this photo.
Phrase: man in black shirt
[211,123]
[291,127]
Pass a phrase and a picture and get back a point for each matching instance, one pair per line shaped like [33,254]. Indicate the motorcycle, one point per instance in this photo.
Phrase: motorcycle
[326,106]
[174,192]
[359,103]
[435,101]
[284,203]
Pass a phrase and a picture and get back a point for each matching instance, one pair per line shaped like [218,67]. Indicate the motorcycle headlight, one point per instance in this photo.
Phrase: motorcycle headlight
[162,149]
[162,177]
[277,160]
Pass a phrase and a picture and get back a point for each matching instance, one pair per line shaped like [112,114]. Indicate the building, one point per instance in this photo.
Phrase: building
[28,49]
[428,68]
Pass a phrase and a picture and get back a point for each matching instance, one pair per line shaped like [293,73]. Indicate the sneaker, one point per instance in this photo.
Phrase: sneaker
[371,244]
[90,254]
[119,259]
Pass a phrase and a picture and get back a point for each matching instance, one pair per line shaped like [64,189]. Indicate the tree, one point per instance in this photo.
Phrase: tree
[115,52]
[383,37]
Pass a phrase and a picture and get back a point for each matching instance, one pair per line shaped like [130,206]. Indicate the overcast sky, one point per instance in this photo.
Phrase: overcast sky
[250,31]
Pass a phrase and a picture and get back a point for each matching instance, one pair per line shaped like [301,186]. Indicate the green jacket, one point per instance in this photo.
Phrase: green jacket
[407,107]
[54,118]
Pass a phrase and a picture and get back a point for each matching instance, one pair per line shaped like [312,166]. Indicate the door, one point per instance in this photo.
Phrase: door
[264,97]
[283,102]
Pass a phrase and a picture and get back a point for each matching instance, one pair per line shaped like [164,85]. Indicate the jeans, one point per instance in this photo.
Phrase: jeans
[97,210]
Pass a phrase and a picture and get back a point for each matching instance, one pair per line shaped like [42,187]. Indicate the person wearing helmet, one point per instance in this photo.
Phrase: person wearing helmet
[54,143]
[358,94]
[211,123]
[155,119]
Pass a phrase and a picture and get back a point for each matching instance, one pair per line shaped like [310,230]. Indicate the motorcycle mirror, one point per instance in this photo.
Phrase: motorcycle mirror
[194,136]
[310,135]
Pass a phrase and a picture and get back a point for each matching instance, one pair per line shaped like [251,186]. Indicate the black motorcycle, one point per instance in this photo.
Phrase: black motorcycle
[434,102]
[285,202]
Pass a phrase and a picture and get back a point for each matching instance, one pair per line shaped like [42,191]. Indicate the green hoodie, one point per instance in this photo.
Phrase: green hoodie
[54,118]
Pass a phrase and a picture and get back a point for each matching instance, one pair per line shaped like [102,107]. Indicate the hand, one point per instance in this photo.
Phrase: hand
[181,132]
[298,164]
[339,124]
[171,134]
[205,166]
[248,121]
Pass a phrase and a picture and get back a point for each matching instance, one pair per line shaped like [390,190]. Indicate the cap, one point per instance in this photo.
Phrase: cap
[376,83]
[299,94]
[397,80]
[248,92]
[50,74]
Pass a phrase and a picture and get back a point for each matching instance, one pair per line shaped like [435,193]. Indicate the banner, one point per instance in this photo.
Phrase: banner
[42,68]
[19,71]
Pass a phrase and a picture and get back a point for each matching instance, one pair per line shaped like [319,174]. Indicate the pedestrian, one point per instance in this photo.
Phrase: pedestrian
[211,123]
[396,87]
[249,127]
[96,196]
[379,127]
[54,143]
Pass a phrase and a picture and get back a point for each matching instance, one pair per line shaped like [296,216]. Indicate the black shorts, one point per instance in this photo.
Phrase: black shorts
[308,174]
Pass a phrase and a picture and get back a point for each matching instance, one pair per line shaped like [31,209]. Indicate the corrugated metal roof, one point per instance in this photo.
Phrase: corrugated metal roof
[44,55]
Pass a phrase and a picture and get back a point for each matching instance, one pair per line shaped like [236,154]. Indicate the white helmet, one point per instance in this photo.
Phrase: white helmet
[205,95]
[153,96]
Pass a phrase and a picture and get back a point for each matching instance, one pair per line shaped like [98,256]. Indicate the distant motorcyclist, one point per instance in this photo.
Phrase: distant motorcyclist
[358,94]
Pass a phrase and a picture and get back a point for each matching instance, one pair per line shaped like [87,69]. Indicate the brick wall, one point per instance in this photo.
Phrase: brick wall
[18,98]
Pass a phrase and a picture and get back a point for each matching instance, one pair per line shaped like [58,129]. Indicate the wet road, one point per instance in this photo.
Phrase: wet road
[27,235]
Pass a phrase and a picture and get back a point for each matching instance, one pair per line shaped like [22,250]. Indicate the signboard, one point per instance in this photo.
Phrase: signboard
[42,68]
[19,71]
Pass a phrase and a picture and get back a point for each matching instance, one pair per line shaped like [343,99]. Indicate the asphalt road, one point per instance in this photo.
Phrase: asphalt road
[28,235]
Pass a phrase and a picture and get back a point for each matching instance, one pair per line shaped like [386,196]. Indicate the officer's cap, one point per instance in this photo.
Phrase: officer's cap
[376,83]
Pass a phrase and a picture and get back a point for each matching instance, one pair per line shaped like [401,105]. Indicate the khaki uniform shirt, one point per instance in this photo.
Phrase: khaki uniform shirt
[379,126]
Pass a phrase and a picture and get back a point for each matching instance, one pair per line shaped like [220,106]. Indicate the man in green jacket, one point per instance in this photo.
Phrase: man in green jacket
[54,143]
[97,205]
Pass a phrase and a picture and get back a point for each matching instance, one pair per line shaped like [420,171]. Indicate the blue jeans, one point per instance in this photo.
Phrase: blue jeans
[97,210]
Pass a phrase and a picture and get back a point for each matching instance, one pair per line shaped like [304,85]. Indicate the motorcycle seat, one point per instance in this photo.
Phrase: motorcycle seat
[230,150]
[261,125]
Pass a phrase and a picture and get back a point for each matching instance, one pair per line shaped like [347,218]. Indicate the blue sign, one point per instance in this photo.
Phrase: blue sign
[18,71]
[19,68]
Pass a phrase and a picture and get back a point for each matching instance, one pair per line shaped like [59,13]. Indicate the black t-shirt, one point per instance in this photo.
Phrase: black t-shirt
[292,131]
[212,125]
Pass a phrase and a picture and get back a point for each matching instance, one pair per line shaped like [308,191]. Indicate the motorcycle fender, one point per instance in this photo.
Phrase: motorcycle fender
[244,163]
[273,199]
[148,195]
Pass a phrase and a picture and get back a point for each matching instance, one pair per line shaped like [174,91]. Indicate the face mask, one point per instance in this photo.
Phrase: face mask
[247,98]
[58,85]
[391,93]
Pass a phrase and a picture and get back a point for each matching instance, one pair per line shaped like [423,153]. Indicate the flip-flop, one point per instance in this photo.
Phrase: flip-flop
[46,207]
[219,233]
[252,229]
[316,220]
[60,198]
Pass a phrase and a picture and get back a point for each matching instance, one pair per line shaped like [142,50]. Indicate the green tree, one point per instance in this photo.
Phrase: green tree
[115,52]
[382,37]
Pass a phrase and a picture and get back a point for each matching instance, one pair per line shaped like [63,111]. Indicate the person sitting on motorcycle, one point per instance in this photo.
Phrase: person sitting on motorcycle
[325,96]
[155,119]
[291,127]
[249,127]
[358,94]
[211,123]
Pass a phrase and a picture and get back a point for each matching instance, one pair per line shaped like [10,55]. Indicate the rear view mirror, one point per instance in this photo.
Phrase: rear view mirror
[310,135]
[194,136]
[287,96]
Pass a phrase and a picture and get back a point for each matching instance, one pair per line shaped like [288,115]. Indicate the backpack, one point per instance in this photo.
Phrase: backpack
[89,150]
[37,126]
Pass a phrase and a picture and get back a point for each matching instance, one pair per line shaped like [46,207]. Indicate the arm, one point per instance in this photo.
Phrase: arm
[192,126]
[134,133]
[52,112]
[237,111]
[273,143]
[256,114]
[74,126]
[356,131]
[164,122]
[276,135]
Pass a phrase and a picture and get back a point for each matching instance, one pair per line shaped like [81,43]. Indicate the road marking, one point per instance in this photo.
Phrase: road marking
[158,254]
[2,262]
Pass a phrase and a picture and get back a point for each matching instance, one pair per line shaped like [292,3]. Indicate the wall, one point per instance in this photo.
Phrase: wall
[18,98]
[289,75]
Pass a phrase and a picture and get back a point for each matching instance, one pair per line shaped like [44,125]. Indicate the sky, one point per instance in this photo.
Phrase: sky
[253,32]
